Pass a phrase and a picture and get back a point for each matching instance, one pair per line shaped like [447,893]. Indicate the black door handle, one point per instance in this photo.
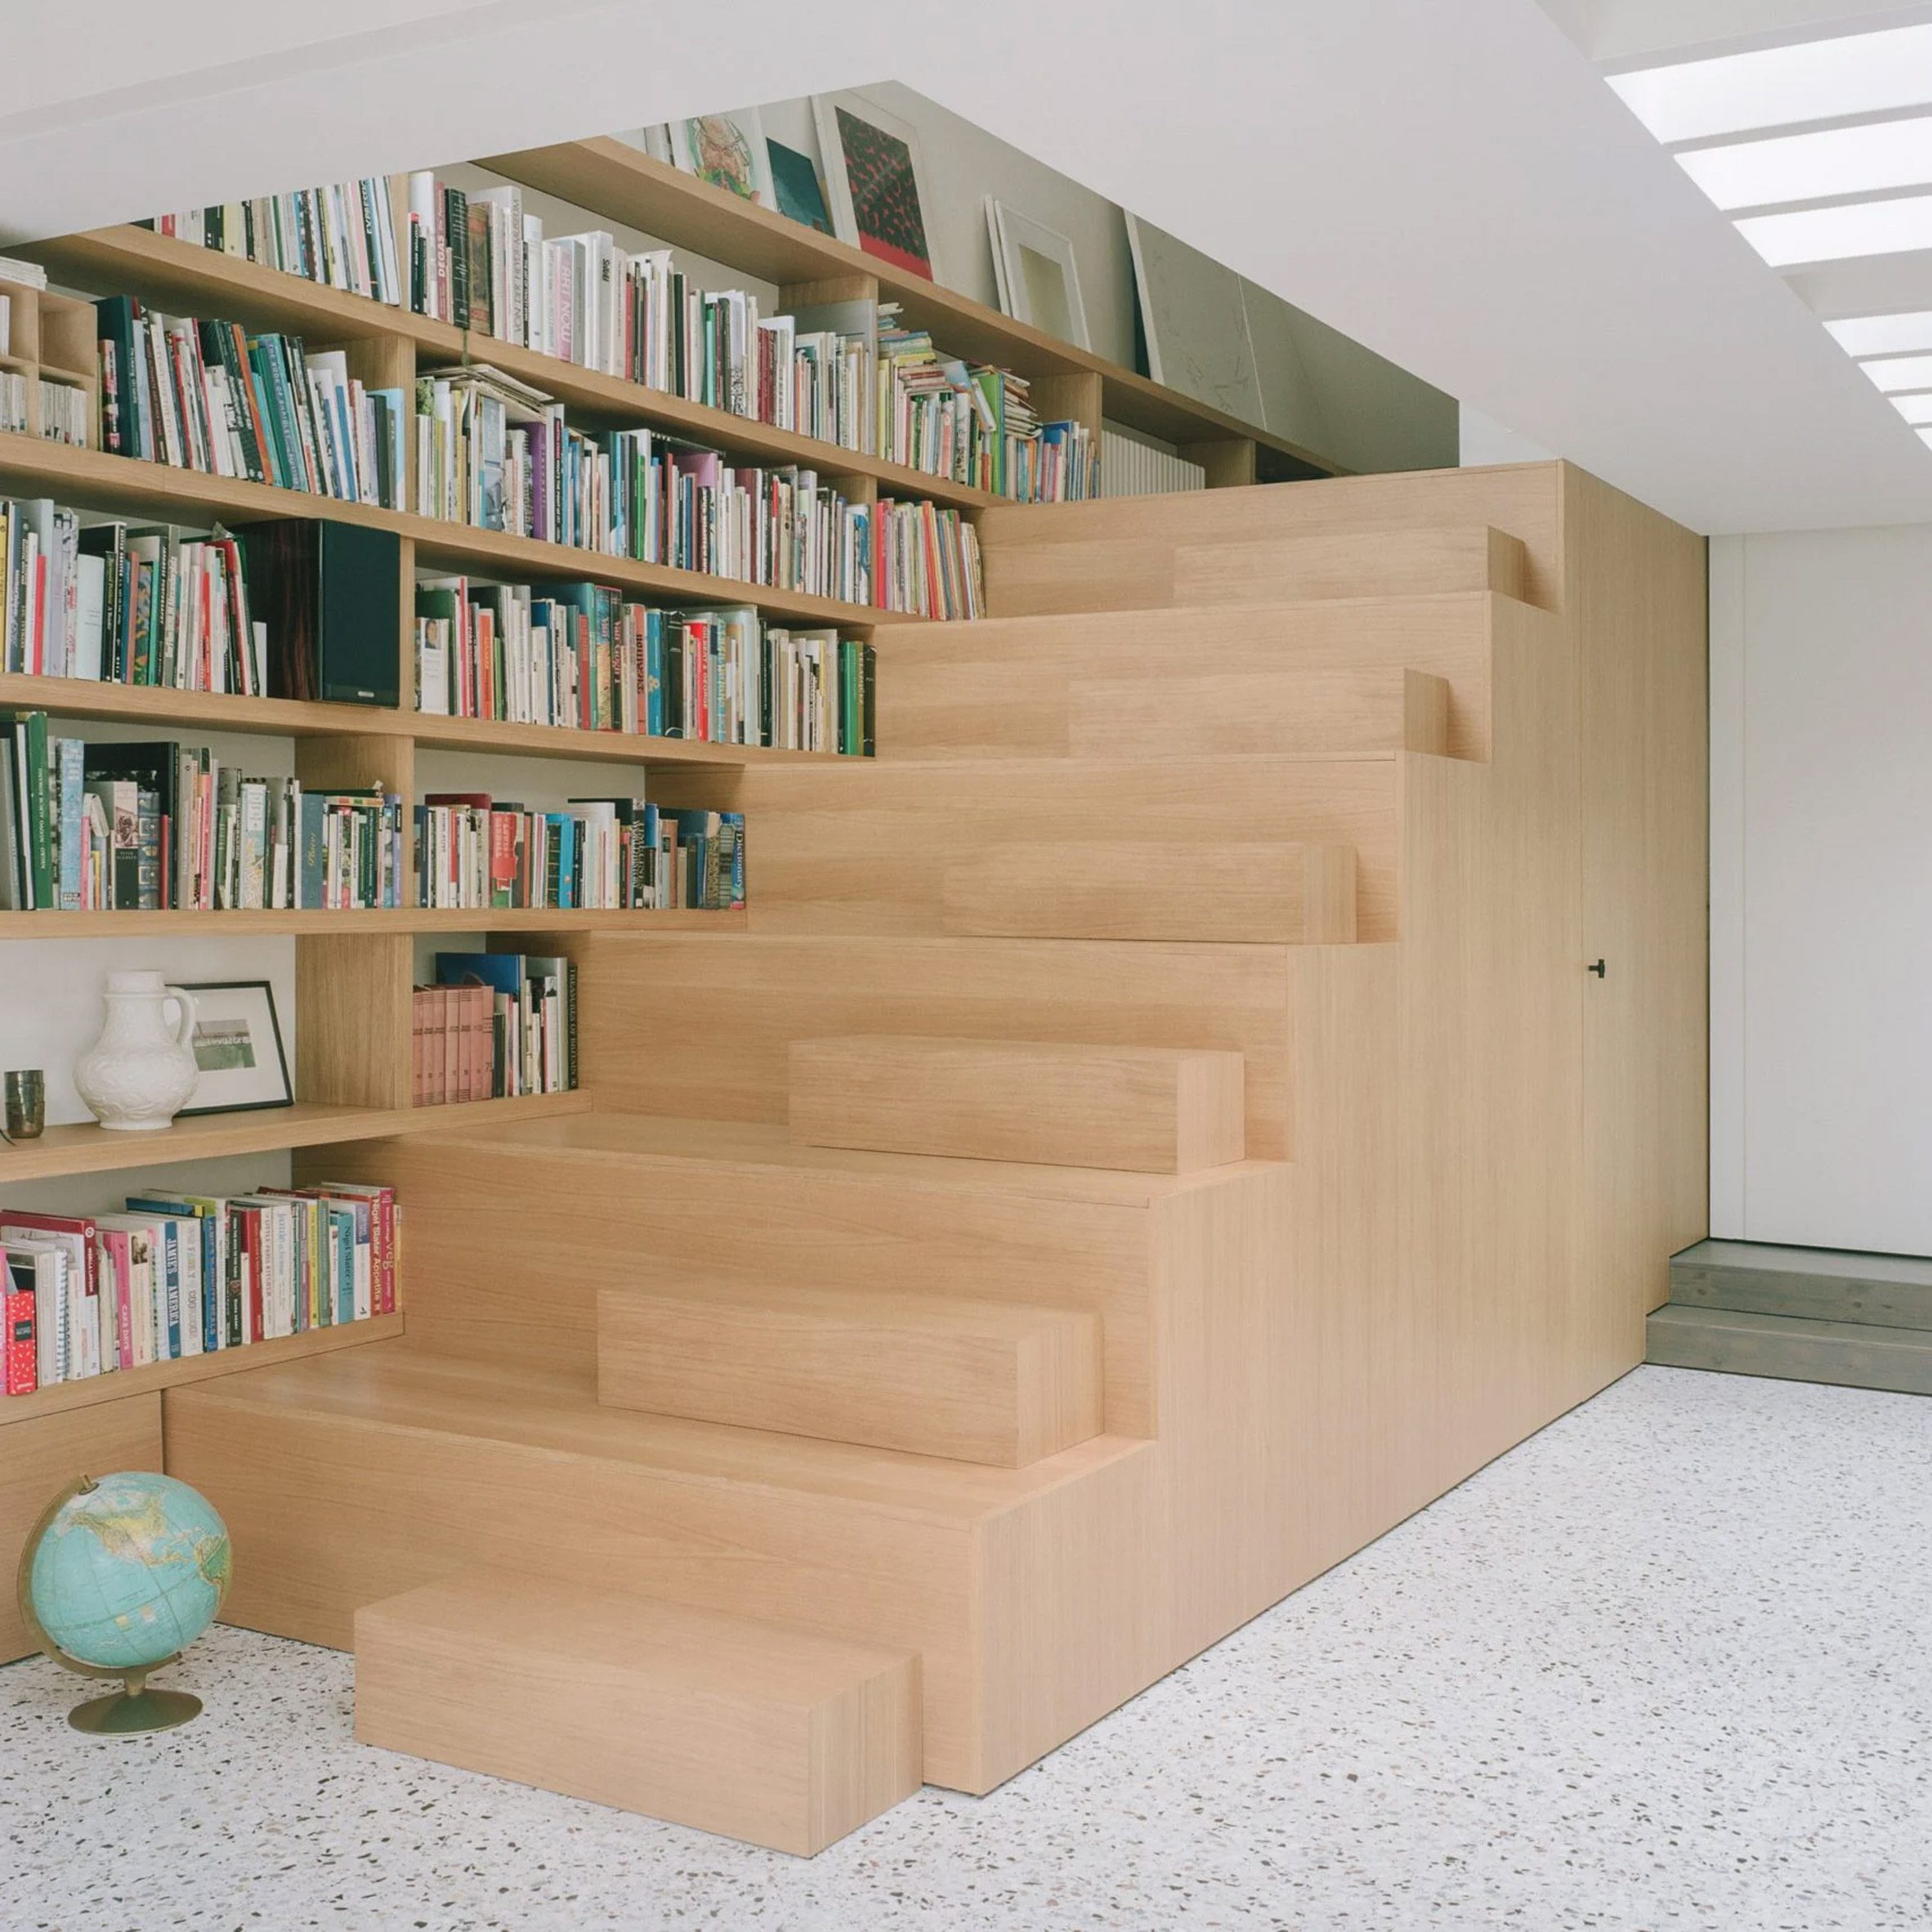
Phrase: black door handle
[1599,969]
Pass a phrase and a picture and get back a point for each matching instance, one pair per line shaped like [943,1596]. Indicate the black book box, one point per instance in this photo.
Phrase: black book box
[331,597]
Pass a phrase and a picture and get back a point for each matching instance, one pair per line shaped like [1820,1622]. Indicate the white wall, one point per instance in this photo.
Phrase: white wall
[1820,670]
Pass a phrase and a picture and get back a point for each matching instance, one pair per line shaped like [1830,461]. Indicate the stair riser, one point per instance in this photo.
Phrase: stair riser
[707,1029]
[1901,1364]
[1002,687]
[1125,1107]
[1004,1390]
[478,1287]
[335,1513]
[1811,1298]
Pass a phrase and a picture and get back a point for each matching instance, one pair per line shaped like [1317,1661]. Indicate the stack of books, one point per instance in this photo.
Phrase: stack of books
[494,1026]
[582,657]
[974,424]
[203,395]
[158,826]
[64,407]
[477,851]
[178,1275]
[1134,465]
[151,605]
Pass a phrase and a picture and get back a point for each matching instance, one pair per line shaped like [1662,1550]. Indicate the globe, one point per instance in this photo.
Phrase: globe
[121,1574]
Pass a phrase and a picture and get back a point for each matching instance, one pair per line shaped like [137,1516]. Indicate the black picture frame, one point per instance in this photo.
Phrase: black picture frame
[266,990]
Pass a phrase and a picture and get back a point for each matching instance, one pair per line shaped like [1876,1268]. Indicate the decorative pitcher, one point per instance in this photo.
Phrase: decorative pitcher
[141,1069]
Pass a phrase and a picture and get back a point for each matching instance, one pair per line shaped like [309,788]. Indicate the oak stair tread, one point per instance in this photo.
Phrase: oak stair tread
[993,1382]
[784,1738]
[558,1413]
[671,1140]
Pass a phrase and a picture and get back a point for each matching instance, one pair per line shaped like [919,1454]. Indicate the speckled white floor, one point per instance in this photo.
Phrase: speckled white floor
[1666,1665]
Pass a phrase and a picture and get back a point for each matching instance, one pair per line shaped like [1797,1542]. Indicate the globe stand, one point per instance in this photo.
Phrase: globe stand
[125,1713]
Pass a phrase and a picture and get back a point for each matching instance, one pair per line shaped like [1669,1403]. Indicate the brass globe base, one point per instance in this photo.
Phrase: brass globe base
[127,1713]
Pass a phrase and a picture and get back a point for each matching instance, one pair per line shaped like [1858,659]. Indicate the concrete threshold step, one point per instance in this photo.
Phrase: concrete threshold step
[1852,1355]
[1813,1283]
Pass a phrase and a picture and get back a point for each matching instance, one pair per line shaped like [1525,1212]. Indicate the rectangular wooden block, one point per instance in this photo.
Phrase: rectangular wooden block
[39,1458]
[1259,714]
[1158,1110]
[784,1737]
[980,1381]
[1289,895]
[1349,564]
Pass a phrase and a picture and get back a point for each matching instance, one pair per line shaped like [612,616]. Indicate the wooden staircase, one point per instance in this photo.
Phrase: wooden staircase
[1157,1131]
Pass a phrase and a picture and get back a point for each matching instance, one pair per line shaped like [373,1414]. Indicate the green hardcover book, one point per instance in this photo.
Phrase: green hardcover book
[33,777]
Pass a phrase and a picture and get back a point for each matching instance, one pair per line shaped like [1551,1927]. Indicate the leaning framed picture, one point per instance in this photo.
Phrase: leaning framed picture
[876,181]
[728,150]
[1033,267]
[238,1047]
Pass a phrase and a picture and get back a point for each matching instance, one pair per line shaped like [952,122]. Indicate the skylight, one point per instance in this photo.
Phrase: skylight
[1765,135]
[1836,234]
[1783,87]
[1809,167]
[1884,335]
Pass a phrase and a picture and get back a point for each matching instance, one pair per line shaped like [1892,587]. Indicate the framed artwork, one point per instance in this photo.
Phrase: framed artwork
[1033,266]
[1195,324]
[728,150]
[238,1048]
[794,181]
[876,181]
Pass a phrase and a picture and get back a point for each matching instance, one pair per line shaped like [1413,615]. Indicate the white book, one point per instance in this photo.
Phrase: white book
[85,646]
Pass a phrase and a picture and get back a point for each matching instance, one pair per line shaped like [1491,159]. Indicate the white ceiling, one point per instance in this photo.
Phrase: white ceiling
[1450,181]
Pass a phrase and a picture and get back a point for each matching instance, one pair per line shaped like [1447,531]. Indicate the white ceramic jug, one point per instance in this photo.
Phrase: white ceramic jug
[141,1070]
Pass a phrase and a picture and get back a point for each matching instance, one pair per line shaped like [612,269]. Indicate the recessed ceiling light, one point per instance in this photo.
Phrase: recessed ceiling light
[1914,409]
[1781,87]
[1810,167]
[1890,227]
[1884,335]
[1900,373]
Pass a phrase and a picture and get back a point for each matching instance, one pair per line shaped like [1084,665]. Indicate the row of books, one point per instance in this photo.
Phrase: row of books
[156,825]
[66,410]
[974,424]
[492,1027]
[584,657]
[151,605]
[594,854]
[849,372]
[178,1275]
[201,394]
[496,454]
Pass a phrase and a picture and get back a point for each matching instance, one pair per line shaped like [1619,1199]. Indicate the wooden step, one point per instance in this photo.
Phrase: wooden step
[1288,895]
[1813,1283]
[1850,1353]
[982,1381]
[351,1483]
[1161,1110]
[1001,687]
[787,1739]
[1127,571]
[1255,713]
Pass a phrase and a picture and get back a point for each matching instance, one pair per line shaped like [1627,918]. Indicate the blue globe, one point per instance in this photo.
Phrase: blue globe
[129,1571]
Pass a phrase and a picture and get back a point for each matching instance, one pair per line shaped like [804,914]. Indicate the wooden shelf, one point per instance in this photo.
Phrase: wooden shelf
[123,1382]
[611,178]
[161,268]
[401,919]
[87,1148]
[224,711]
[99,481]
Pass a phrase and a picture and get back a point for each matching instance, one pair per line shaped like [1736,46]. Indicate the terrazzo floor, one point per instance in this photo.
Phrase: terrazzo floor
[1665,1665]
